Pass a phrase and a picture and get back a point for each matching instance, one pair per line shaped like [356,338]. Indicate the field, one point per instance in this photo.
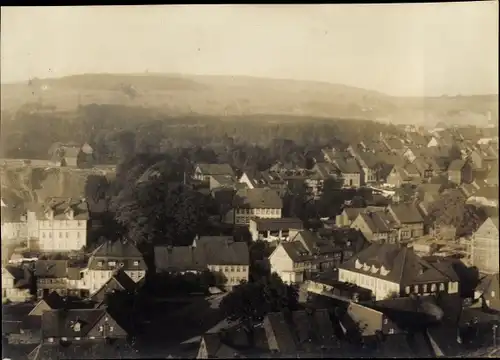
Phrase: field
[222,96]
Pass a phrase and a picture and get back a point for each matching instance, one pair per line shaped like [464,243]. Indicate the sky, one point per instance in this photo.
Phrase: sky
[398,49]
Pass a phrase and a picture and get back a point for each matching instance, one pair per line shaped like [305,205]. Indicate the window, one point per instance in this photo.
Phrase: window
[50,340]
[43,235]
[50,235]
[433,287]
[78,234]
[415,289]
[77,338]
[391,331]
[425,288]
[237,269]
[111,328]
[441,287]
[112,263]
[386,321]
[232,268]
[493,293]
[103,275]
[67,234]
[101,328]
[64,339]
[99,263]
[60,234]
[92,337]
[226,269]
[136,263]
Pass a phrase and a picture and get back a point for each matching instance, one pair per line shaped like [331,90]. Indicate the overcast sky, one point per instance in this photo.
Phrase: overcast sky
[407,49]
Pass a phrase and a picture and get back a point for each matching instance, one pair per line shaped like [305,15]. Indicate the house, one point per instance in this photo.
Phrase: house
[227,259]
[485,247]
[492,175]
[60,224]
[426,167]
[112,256]
[202,172]
[15,284]
[273,229]
[88,349]
[120,281]
[394,144]
[212,346]
[73,325]
[429,192]
[460,171]
[486,196]
[368,162]
[59,276]
[305,254]
[268,179]
[254,203]
[393,175]
[321,172]
[350,171]
[377,226]
[392,271]
[488,290]
[411,223]
[13,223]
[301,332]
[348,215]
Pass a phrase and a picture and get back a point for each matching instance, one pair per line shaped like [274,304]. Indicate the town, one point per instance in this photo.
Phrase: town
[341,242]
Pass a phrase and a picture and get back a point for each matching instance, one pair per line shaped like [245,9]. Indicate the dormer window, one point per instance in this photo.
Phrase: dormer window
[77,327]
[50,340]
[99,263]
[112,263]
[64,339]
[136,263]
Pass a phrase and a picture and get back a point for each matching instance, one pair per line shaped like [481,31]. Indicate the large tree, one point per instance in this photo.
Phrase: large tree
[249,303]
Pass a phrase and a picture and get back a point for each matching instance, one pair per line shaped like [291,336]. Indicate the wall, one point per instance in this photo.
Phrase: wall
[14,230]
[234,274]
[381,288]
[281,263]
[485,248]
[243,216]
[62,235]
[355,179]
[410,231]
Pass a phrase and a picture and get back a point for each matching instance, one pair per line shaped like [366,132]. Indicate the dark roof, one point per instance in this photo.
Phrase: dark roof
[117,249]
[352,213]
[123,252]
[406,213]
[379,221]
[61,207]
[278,224]
[20,275]
[395,143]
[53,300]
[51,268]
[258,198]
[489,286]
[120,279]
[225,180]
[85,349]
[59,323]
[216,169]
[397,264]
[301,331]
[347,165]
[200,256]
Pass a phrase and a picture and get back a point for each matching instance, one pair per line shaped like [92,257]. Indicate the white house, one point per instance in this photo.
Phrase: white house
[109,257]
[485,247]
[15,283]
[59,225]
[254,203]
[389,270]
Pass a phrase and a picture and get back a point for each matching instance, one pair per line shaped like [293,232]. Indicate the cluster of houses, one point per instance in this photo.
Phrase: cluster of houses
[366,257]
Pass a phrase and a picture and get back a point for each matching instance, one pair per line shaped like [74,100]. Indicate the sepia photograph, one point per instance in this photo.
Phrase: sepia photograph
[250,181]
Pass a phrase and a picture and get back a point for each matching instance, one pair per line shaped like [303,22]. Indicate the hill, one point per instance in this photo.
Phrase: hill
[240,95]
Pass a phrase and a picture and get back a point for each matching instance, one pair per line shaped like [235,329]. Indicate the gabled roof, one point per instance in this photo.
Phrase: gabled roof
[181,258]
[277,224]
[395,264]
[119,279]
[489,287]
[51,268]
[258,198]
[117,249]
[60,323]
[406,213]
[379,221]
[216,169]
[456,165]
[61,207]
[347,165]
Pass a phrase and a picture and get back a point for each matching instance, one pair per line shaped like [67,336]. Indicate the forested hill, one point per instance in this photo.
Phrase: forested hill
[224,95]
